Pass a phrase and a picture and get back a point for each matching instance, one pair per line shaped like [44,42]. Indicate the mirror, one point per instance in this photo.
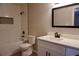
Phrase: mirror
[66,16]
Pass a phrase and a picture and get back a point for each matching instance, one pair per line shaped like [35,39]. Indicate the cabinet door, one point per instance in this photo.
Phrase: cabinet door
[41,52]
[72,52]
[55,49]
[55,53]
[50,49]
[42,49]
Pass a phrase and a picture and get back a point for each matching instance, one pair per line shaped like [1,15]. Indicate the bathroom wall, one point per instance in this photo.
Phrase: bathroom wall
[40,20]
[10,33]
[24,19]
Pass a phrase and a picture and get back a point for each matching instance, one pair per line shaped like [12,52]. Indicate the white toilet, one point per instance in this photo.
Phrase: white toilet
[27,48]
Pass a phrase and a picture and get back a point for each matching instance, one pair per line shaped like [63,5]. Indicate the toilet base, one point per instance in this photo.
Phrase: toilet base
[27,52]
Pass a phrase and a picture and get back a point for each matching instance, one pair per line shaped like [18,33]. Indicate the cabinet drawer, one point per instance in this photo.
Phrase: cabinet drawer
[51,46]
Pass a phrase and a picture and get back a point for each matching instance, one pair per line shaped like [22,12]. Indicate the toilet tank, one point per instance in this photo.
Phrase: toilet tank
[31,39]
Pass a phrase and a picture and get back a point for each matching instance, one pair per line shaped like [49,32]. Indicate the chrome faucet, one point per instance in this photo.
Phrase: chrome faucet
[57,35]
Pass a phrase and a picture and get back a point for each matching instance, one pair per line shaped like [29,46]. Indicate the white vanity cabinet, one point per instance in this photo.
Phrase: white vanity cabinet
[56,47]
[50,49]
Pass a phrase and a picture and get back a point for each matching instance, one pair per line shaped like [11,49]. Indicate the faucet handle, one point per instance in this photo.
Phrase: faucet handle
[57,35]
[56,32]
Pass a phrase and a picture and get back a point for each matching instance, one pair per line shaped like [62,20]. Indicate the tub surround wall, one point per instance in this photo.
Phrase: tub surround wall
[9,33]
[24,19]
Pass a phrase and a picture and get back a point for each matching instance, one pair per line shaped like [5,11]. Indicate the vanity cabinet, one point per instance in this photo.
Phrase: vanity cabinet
[46,48]
[49,49]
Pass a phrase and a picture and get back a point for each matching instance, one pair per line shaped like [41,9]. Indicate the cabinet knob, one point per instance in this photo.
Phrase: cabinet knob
[46,53]
[49,54]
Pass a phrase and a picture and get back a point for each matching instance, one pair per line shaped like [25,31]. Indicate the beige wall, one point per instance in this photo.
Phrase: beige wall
[24,19]
[10,33]
[40,17]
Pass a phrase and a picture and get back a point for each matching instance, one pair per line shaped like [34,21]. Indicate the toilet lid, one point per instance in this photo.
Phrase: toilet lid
[25,46]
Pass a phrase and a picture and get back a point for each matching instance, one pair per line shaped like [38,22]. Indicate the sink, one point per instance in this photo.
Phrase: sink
[53,38]
[49,37]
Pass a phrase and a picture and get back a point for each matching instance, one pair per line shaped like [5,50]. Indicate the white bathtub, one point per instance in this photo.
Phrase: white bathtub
[9,48]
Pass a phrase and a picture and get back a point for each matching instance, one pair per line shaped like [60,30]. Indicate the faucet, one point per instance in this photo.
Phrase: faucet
[57,35]
[23,37]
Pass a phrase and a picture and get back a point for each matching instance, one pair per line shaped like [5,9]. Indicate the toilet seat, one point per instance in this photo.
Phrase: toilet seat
[25,46]
[26,49]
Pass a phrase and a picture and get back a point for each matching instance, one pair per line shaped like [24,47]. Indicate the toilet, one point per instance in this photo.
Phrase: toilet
[27,48]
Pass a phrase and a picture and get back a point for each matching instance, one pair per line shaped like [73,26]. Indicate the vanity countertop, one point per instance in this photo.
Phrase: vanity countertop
[62,41]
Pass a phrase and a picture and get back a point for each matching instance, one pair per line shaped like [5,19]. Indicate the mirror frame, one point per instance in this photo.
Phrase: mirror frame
[59,8]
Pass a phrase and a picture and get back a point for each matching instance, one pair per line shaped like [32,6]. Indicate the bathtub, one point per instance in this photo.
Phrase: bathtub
[9,48]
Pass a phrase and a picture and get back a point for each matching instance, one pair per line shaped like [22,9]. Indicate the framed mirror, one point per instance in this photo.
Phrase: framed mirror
[66,16]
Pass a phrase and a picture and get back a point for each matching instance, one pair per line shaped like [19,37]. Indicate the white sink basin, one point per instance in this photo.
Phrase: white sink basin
[57,38]
[52,37]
